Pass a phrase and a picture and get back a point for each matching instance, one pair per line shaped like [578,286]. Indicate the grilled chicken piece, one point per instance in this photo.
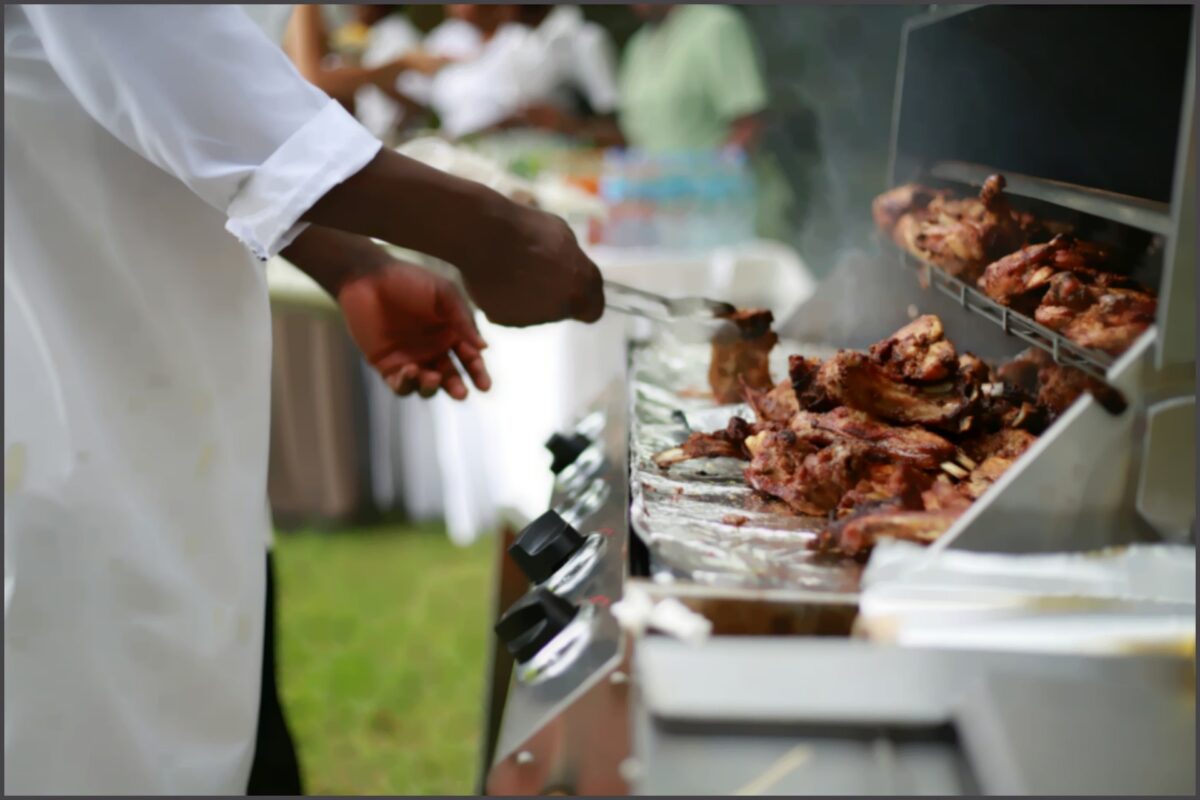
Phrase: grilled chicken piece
[846,437]
[1007,443]
[778,405]
[917,352]
[856,535]
[743,360]
[889,207]
[983,460]
[855,380]
[1020,279]
[945,495]
[1004,405]
[961,237]
[727,443]
[897,486]
[1055,386]
[1097,317]
[804,374]
[983,476]
[1021,371]
[809,479]
[911,445]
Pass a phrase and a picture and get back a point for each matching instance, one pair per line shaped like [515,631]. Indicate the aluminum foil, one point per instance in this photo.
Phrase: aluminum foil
[699,519]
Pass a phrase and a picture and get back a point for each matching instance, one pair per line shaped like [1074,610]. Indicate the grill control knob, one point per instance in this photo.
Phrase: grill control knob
[566,449]
[533,621]
[544,546]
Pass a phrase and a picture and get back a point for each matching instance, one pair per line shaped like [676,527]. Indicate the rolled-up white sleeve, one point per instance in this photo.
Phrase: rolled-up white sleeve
[201,92]
[327,150]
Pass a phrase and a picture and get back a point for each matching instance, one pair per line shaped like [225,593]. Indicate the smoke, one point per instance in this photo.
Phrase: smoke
[831,71]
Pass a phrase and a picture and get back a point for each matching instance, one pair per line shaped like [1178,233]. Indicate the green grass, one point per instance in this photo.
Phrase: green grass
[381,657]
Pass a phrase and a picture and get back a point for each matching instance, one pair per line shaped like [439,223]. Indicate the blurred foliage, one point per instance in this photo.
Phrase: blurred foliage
[381,657]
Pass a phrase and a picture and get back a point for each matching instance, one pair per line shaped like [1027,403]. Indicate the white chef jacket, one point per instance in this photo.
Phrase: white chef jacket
[136,383]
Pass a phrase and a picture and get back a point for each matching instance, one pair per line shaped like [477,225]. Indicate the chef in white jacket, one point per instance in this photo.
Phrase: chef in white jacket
[147,149]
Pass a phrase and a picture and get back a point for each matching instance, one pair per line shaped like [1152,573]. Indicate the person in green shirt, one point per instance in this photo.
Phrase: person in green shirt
[690,80]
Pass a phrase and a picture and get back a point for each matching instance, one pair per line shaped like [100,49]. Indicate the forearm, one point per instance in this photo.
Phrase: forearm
[402,201]
[332,257]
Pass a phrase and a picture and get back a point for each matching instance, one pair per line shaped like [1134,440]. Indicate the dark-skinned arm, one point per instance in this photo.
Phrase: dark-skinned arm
[406,320]
[522,266]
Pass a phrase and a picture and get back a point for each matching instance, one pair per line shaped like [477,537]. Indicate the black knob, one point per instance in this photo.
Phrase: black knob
[533,621]
[566,449]
[544,546]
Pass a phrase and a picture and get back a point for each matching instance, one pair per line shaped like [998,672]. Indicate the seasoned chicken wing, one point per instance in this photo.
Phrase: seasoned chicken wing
[962,236]
[743,360]
[918,352]
[1099,317]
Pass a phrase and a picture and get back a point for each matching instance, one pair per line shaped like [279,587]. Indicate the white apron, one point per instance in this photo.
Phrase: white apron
[136,380]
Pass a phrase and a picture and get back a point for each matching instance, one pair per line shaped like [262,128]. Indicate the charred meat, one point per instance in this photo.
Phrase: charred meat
[804,374]
[810,479]
[743,360]
[918,352]
[896,441]
[906,445]
[777,405]
[962,236]
[854,380]
[1096,316]
[856,535]
[728,443]
[889,207]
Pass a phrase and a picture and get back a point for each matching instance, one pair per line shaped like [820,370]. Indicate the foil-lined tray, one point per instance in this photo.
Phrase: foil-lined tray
[700,521]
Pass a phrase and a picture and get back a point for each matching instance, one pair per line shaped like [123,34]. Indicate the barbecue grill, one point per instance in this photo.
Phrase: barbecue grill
[780,699]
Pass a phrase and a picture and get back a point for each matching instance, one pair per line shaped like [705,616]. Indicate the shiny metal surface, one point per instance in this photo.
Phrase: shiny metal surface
[649,305]
[1136,212]
[783,716]
[553,734]
[573,576]
[1060,348]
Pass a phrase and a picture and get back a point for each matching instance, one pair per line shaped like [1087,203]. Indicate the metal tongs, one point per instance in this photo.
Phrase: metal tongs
[649,305]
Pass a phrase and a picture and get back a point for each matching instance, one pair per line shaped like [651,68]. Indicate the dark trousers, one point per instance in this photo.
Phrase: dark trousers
[275,770]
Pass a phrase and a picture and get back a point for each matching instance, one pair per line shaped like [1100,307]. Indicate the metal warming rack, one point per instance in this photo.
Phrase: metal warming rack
[1013,323]
[1134,212]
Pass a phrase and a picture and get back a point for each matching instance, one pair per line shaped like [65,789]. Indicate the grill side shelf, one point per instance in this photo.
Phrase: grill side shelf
[1061,349]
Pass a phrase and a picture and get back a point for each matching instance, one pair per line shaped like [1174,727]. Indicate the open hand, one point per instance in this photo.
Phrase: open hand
[408,321]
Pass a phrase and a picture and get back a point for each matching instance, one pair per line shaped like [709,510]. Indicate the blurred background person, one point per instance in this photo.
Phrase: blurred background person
[542,67]
[308,41]
[459,36]
[690,80]
[578,66]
